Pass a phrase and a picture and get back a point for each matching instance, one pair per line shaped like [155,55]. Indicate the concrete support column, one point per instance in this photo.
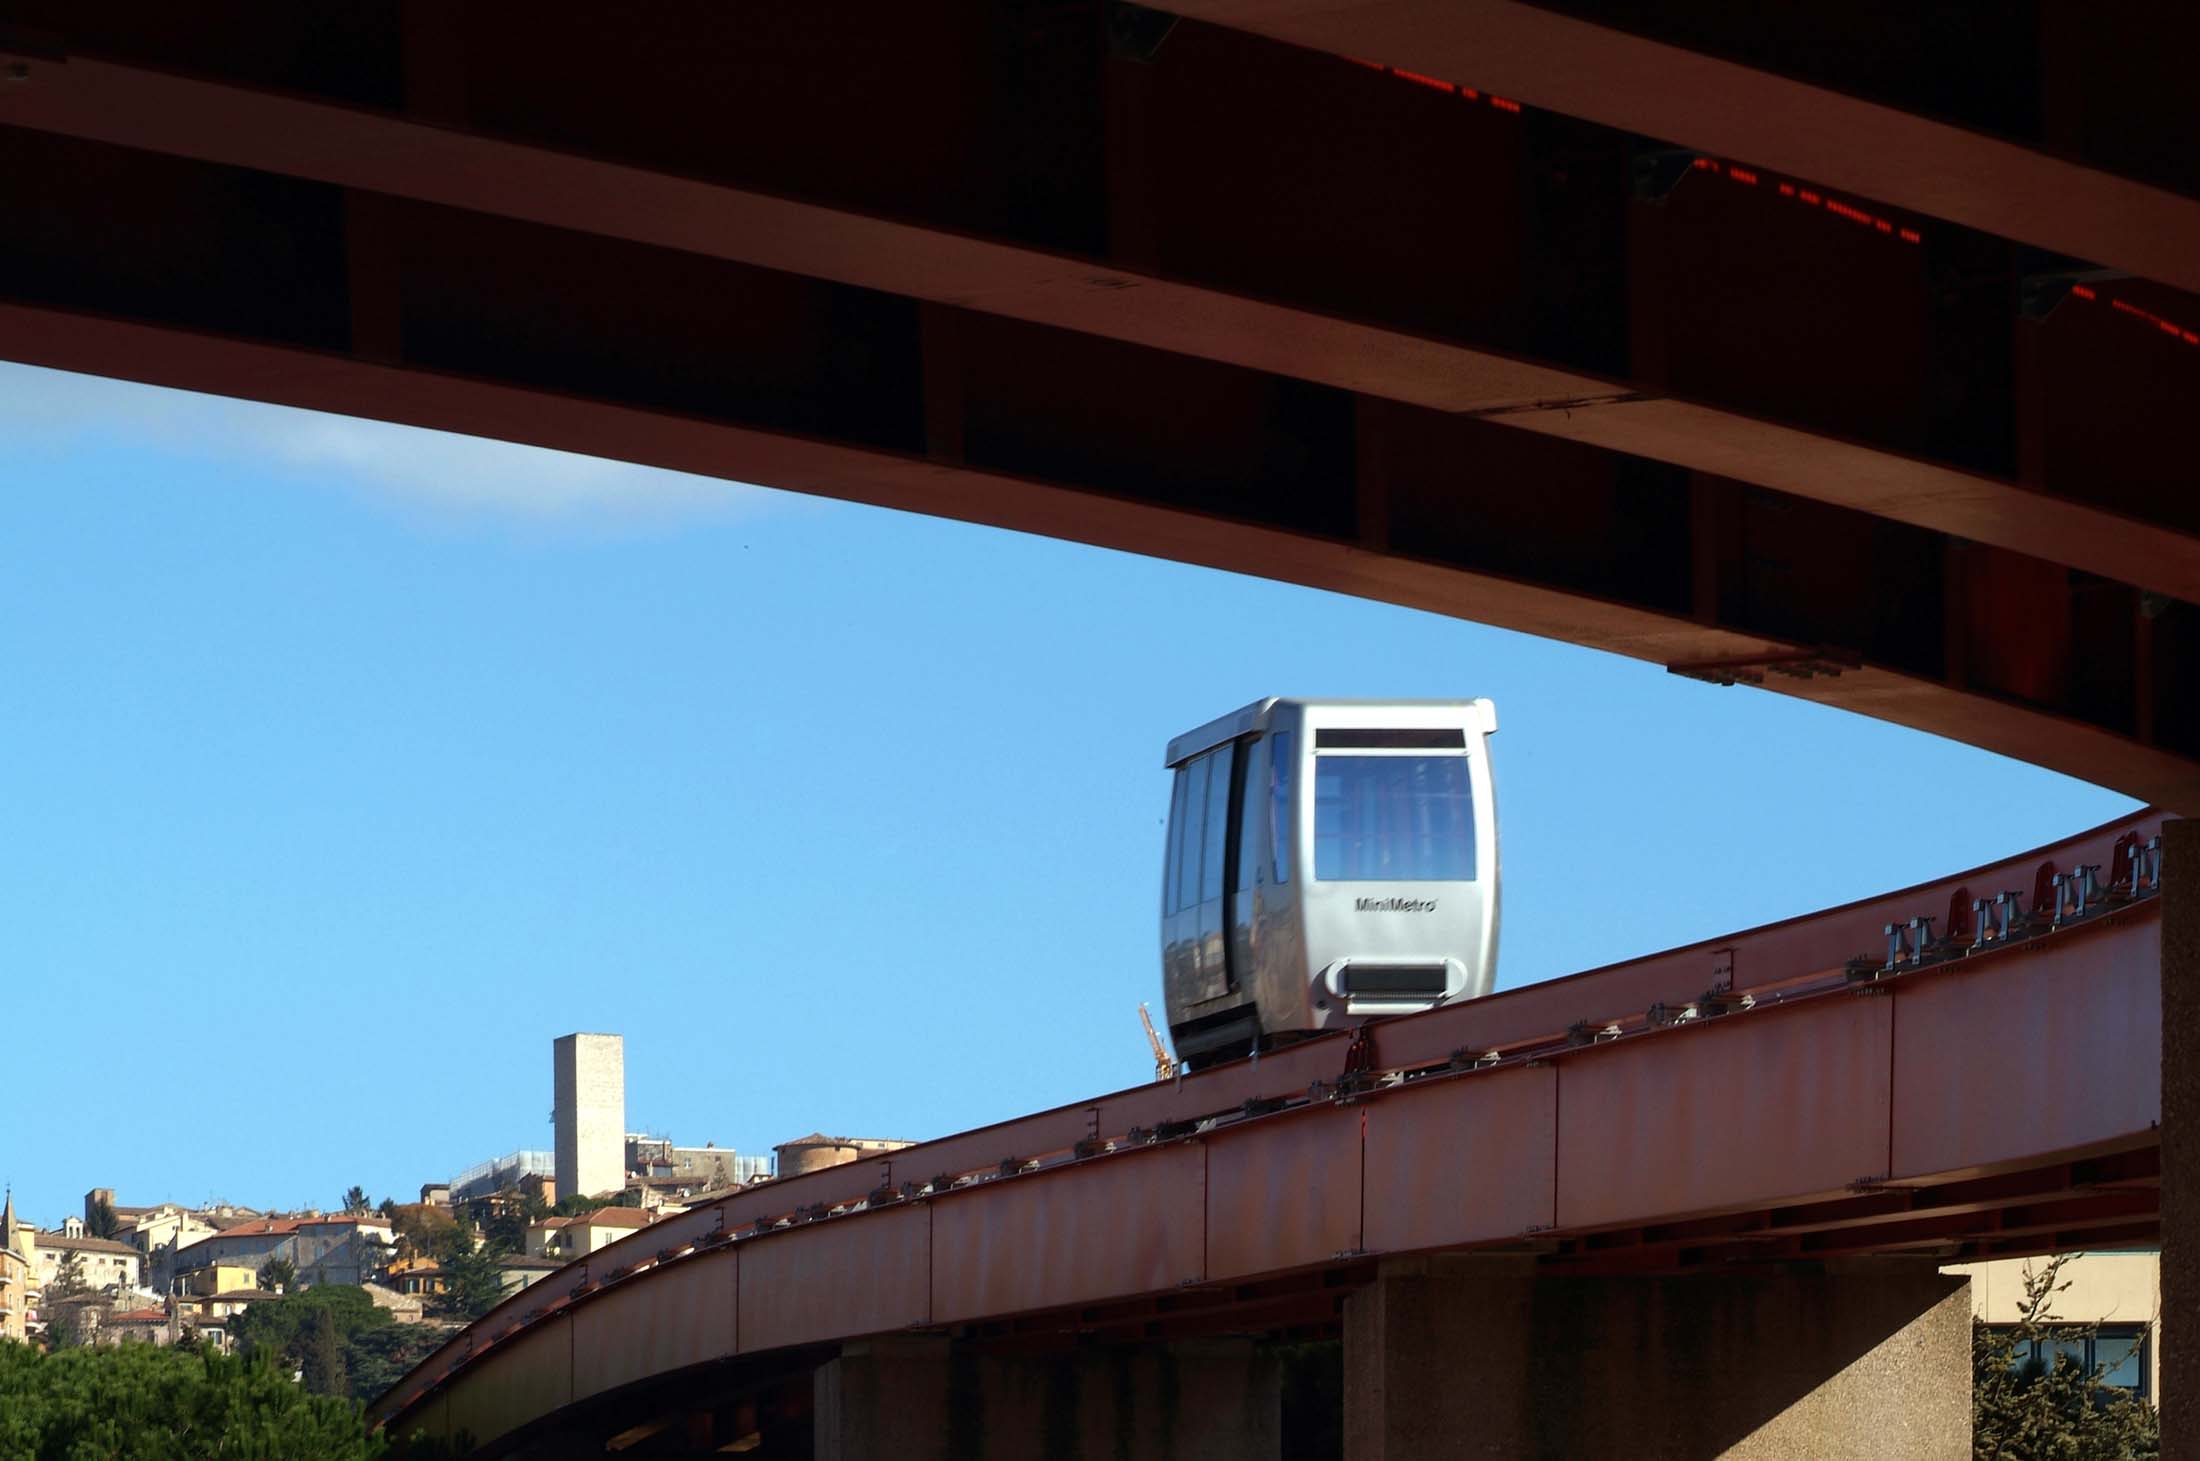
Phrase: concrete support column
[884,1397]
[1480,1357]
[929,1400]
[2180,1362]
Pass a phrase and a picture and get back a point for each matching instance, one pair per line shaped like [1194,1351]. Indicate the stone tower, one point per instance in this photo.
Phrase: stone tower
[590,1076]
[18,1265]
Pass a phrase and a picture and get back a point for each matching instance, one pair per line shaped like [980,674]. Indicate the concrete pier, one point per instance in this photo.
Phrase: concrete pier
[932,1400]
[1480,1357]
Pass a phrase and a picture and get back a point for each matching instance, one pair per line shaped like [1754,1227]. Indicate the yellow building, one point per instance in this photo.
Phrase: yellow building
[18,1273]
[2119,1291]
[571,1237]
[220,1278]
[422,1277]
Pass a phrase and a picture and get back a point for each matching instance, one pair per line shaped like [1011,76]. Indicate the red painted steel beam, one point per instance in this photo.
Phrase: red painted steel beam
[1818,1090]
[1534,55]
[132,106]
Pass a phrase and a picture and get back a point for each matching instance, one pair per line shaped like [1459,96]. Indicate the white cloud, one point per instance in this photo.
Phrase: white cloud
[435,472]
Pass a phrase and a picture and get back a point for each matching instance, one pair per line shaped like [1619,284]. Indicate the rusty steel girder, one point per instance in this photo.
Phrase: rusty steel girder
[1778,1096]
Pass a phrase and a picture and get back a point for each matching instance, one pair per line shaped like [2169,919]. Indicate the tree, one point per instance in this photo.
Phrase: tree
[102,1221]
[473,1284]
[61,1330]
[504,1230]
[379,1356]
[575,1205]
[388,1208]
[297,1332]
[68,1279]
[355,1200]
[278,1275]
[152,1401]
[2022,1409]
[323,1369]
[419,1227]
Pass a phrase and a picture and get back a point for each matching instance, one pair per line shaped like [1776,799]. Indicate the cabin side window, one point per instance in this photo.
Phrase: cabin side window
[1219,762]
[1279,808]
[1174,862]
[1191,832]
[1253,756]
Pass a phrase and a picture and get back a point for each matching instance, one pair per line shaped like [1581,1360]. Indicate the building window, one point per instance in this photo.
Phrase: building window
[2117,1354]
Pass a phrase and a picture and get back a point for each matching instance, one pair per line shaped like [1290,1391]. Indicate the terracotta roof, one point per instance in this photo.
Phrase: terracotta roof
[618,1217]
[276,1227]
[139,1316]
[86,1245]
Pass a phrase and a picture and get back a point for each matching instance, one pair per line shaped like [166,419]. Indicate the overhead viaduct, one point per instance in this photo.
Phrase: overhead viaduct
[1848,351]
[1897,384]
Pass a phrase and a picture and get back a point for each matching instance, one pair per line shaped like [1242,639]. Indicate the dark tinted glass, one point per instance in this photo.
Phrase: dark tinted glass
[1424,979]
[1219,761]
[1174,859]
[1279,808]
[1368,738]
[1255,756]
[1393,819]
[1194,823]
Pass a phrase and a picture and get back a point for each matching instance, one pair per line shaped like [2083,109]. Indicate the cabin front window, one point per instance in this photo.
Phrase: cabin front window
[1393,819]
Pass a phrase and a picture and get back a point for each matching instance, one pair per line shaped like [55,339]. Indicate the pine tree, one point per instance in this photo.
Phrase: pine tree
[68,1279]
[143,1400]
[2021,1410]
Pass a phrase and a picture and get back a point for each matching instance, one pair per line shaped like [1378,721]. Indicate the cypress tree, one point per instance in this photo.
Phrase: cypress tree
[324,1357]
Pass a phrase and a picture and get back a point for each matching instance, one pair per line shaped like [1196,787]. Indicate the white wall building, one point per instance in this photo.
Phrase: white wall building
[103,1263]
[2121,1291]
[590,1114]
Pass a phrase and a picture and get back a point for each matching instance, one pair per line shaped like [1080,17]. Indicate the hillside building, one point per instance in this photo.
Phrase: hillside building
[331,1248]
[589,1078]
[18,1274]
[105,1264]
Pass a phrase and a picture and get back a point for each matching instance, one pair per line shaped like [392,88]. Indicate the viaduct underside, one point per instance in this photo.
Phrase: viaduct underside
[1846,352]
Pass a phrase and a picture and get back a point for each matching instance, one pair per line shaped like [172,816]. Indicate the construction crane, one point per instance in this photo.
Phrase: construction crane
[1164,1067]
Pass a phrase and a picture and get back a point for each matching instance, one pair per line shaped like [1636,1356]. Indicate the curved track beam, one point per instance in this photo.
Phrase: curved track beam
[1759,1098]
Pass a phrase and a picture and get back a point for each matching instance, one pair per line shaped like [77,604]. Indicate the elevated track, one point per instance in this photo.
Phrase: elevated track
[1845,1084]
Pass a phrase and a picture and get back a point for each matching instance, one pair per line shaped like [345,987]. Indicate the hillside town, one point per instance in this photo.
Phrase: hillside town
[388,1278]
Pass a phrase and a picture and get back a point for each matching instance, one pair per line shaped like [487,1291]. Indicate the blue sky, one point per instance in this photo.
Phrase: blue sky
[345,766]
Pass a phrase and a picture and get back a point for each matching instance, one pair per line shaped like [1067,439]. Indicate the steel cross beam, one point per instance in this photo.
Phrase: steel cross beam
[1658,88]
[390,155]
